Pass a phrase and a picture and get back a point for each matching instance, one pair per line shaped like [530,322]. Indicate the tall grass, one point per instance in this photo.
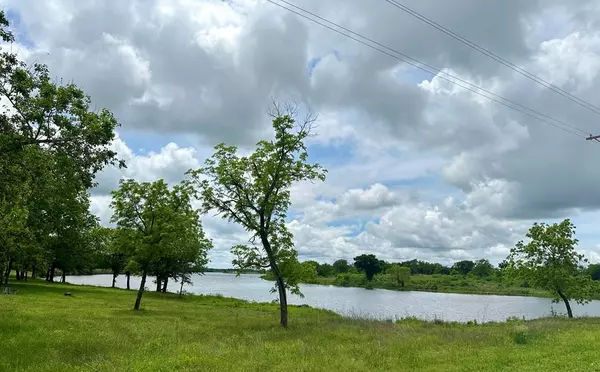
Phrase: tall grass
[96,330]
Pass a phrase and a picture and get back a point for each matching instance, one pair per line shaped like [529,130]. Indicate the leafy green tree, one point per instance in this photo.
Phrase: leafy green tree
[482,269]
[112,253]
[47,132]
[161,223]
[254,191]
[593,270]
[184,272]
[550,261]
[325,270]
[309,271]
[183,258]
[369,264]
[400,274]
[341,266]
[463,267]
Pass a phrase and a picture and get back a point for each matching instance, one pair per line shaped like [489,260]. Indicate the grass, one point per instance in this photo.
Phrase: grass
[96,330]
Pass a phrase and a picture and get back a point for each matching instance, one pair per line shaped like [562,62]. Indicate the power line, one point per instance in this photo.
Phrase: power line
[432,70]
[497,58]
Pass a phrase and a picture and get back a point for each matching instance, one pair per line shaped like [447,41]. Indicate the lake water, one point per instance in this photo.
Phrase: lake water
[377,303]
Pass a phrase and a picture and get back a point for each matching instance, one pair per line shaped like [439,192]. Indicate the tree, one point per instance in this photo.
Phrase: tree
[463,267]
[254,191]
[550,261]
[324,270]
[400,274]
[369,264]
[309,271]
[161,225]
[43,123]
[111,250]
[482,269]
[593,270]
[341,266]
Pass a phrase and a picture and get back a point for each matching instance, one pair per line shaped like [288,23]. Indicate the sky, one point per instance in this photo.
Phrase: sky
[418,168]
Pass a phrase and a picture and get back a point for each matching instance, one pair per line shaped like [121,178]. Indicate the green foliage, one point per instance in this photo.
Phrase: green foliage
[369,264]
[51,146]
[341,266]
[161,228]
[550,261]
[325,269]
[593,270]
[463,267]
[426,268]
[309,271]
[254,191]
[399,274]
[482,269]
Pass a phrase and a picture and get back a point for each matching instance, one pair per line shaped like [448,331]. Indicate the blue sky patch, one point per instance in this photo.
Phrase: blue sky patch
[331,156]
[359,224]
[312,64]
[14,19]
[322,198]
[413,75]
[142,143]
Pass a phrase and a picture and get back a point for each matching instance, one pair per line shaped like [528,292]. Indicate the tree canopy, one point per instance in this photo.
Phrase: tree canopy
[482,268]
[254,191]
[549,261]
[399,273]
[163,228]
[369,264]
[463,267]
[51,146]
[341,266]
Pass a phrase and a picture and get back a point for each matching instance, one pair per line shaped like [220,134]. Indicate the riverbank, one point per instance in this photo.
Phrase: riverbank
[96,330]
[431,283]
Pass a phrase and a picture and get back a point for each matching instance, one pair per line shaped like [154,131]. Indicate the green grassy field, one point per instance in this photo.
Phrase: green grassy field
[96,330]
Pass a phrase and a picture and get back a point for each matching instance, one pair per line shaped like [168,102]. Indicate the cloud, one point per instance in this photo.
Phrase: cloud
[418,167]
[170,164]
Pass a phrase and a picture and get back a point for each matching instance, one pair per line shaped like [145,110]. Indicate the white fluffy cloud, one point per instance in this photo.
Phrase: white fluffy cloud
[418,167]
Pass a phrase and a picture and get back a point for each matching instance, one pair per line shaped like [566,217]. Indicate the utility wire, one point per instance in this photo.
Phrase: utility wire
[496,57]
[432,70]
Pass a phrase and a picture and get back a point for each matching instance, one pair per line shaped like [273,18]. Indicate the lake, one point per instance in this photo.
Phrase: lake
[360,302]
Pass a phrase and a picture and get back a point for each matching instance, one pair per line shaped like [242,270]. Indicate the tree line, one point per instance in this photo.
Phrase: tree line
[370,265]
[548,260]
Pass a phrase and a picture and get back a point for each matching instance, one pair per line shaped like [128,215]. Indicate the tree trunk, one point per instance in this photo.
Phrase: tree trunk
[51,275]
[8,270]
[181,288]
[25,273]
[282,301]
[164,287]
[158,283]
[63,277]
[140,292]
[279,279]
[566,301]
[128,277]
[18,275]
[33,271]
[114,281]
